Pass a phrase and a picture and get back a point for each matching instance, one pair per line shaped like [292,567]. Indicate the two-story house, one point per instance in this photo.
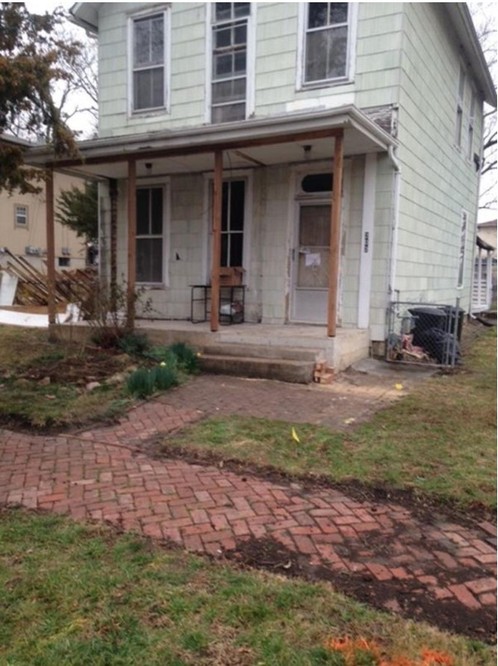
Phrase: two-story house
[323,155]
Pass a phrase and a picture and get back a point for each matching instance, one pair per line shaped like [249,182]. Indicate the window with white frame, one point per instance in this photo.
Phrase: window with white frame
[150,235]
[470,131]
[230,28]
[232,223]
[459,107]
[461,255]
[20,215]
[326,42]
[148,45]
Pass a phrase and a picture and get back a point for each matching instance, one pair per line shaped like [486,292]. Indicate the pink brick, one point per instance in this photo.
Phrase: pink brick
[482,585]
[464,596]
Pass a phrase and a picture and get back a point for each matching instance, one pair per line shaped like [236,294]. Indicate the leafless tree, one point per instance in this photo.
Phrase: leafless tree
[484,17]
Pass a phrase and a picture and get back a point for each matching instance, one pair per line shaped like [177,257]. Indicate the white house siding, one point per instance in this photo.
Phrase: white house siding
[438,180]
[381,264]
[375,71]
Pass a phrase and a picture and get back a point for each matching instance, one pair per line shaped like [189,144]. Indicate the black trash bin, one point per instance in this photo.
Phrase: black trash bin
[453,313]
[425,319]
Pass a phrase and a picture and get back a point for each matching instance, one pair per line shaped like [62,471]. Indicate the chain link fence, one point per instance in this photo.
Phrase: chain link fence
[424,333]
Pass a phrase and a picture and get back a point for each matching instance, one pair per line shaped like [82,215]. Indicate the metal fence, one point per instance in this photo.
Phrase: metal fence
[424,333]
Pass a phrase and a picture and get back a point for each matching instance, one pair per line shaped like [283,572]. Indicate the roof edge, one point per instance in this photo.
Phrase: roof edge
[465,29]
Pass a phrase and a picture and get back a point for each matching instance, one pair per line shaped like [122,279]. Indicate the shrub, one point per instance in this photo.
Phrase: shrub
[144,381]
[187,357]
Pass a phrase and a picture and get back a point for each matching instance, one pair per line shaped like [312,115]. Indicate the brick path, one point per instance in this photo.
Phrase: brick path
[100,474]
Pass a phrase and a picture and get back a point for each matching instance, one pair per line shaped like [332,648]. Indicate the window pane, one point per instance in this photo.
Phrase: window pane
[338,43]
[226,91]
[224,207]
[236,249]
[156,211]
[222,37]
[317,182]
[223,11]
[241,9]
[223,66]
[240,34]
[240,62]
[338,12]
[142,42]
[326,53]
[314,228]
[149,260]
[157,87]
[224,250]
[317,14]
[237,193]
[148,88]
[230,113]
[143,212]
[157,46]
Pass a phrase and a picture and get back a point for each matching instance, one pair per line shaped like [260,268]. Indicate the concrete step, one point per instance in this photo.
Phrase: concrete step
[278,352]
[284,370]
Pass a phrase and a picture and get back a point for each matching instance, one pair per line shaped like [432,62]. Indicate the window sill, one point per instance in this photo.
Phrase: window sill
[152,286]
[149,113]
[335,83]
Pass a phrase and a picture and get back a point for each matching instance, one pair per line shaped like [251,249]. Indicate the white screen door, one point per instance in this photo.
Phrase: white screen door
[311,264]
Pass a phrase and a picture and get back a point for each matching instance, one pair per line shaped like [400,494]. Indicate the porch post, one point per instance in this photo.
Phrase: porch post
[49,210]
[335,234]
[113,241]
[132,244]
[216,253]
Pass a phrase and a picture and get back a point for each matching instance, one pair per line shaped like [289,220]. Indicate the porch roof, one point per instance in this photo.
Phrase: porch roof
[251,143]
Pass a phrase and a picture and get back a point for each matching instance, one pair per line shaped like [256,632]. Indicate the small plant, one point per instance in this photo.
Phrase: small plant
[187,357]
[145,381]
[140,383]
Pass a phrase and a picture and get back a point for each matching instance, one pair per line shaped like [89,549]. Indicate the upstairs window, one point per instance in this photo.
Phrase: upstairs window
[327,35]
[470,132]
[148,62]
[459,107]
[21,216]
[229,61]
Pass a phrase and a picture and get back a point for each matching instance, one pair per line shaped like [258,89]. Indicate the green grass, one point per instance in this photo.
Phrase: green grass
[439,440]
[81,594]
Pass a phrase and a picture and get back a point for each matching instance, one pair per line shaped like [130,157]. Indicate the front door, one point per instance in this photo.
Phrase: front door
[311,263]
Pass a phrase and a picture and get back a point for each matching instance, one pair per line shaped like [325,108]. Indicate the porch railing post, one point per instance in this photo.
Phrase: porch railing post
[132,244]
[216,253]
[335,235]
[49,210]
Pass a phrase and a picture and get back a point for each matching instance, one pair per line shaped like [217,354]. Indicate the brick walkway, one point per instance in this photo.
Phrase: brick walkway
[100,474]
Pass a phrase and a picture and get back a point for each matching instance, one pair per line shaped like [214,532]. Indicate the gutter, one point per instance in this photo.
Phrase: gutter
[395,223]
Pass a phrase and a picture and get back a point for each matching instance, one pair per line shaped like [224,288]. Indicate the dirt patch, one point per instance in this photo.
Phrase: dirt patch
[407,598]
[92,364]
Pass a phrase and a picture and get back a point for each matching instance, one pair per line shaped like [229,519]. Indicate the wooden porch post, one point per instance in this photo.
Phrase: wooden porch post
[216,253]
[132,244]
[113,242]
[49,209]
[335,235]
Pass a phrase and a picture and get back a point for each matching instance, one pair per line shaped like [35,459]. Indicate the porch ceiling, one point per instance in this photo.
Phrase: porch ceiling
[266,142]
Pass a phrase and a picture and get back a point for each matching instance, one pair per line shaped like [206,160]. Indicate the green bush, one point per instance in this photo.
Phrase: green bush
[187,357]
[140,383]
[164,377]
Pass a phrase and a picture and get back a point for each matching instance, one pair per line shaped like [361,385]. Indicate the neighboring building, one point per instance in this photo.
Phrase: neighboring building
[23,230]
[484,282]
[376,105]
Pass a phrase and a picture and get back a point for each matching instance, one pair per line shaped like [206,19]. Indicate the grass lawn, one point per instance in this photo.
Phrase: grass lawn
[440,440]
[82,594]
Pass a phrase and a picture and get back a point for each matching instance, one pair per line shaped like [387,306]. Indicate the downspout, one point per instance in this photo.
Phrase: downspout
[395,222]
